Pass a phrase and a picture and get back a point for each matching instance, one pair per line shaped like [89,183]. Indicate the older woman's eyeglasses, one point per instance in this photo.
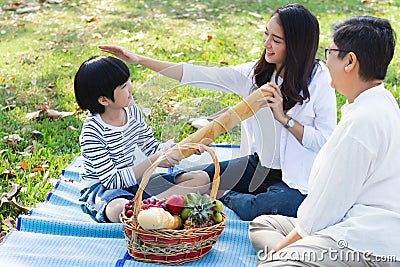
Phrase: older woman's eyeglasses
[328,51]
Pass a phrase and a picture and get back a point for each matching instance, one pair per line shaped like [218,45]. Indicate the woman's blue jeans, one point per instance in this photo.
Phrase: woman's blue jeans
[255,190]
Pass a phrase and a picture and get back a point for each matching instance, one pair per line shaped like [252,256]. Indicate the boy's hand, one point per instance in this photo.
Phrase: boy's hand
[120,53]
[169,144]
[170,161]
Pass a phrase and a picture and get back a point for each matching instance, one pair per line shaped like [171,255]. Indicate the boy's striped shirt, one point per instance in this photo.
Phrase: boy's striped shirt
[108,151]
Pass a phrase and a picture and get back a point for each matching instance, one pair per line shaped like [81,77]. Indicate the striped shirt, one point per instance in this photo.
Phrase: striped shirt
[108,151]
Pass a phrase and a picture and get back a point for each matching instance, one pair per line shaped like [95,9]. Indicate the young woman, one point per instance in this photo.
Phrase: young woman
[272,177]
[113,130]
[351,214]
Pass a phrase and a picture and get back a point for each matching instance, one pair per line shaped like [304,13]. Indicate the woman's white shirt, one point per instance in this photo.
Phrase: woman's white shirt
[285,152]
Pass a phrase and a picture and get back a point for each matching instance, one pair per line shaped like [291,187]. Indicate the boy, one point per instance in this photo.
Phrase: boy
[112,131]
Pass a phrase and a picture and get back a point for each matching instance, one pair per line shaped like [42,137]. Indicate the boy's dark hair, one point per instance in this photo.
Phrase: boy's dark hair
[301,30]
[98,76]
[371,39]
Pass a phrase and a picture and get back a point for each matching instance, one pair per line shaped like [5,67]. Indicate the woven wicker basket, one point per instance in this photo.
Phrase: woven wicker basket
[166,246]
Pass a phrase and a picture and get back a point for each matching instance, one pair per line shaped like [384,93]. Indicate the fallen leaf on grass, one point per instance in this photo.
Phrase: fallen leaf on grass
[7,174]
[24,153]
[37,133]
[10,99]
[10,223]
[46,176]
[12,138]
[11,6]
[39,169]
[8,107]
[205,37]
[89,19]
[23,165]
[48,113]
[14,203]
[72,128]
[2,235]
[54,1]
[29,150]
[5,198]
[21,7]
[34,115]
[256,15]
[13,190]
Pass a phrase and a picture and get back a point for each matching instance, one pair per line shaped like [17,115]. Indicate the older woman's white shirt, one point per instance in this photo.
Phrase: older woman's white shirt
[276,147]
[354,183]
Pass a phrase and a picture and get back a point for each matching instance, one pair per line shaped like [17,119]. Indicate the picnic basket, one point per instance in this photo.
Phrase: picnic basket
[166,246]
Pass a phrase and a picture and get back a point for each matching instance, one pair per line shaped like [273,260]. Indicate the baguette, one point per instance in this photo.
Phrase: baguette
[225,122]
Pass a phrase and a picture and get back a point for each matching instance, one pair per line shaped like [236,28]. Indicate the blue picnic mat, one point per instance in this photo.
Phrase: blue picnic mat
[58,233]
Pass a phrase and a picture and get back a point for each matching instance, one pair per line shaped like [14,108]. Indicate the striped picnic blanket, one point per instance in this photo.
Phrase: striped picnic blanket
[58,233]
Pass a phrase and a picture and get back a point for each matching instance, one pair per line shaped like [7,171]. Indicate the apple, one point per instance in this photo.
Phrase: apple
[175,204]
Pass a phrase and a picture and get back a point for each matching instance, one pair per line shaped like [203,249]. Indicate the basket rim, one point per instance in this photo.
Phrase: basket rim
[126,222]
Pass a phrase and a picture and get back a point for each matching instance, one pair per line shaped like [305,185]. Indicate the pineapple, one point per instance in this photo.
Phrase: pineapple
[200,211]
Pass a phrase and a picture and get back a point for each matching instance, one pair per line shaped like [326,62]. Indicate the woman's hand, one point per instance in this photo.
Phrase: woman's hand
[120,53]
[275,102]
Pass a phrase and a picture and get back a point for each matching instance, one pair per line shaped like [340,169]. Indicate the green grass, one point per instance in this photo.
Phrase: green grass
[41,51]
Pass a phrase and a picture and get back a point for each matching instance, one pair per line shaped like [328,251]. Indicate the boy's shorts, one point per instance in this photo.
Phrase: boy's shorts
[96,197]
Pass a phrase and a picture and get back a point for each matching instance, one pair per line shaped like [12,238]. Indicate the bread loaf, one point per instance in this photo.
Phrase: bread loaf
[226,121]
[158,218]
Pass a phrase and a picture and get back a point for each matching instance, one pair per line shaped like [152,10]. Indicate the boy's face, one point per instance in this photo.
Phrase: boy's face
[123,94]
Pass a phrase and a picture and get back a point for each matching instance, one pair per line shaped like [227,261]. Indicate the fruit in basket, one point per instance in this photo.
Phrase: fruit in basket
[185,213]
[150,203]
[218,206]
[200,211]
[216,216]
[158,218]
[129,213]
[178,222]
[175,204]
[129,208]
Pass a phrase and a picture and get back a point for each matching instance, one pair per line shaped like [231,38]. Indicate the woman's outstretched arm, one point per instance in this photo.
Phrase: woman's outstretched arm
[169,69]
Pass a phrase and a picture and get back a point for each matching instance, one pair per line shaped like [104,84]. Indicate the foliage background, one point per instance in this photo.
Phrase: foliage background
[41,49]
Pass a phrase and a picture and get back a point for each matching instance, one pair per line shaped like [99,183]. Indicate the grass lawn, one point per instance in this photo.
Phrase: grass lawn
[42,44]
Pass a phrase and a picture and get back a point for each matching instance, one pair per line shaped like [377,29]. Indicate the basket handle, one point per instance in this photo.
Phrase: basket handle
[188,146]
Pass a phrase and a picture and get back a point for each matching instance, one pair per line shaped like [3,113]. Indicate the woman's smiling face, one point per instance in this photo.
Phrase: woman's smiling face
[274,42]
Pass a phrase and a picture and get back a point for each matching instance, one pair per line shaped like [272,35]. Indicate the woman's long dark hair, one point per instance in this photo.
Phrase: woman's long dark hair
[301,29]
